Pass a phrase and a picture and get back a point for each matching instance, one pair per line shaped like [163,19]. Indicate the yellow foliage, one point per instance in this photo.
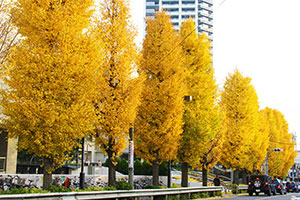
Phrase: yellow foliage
[118,89]
[279,162]
[159,122]
[49,80]
[239,104]
[201,140]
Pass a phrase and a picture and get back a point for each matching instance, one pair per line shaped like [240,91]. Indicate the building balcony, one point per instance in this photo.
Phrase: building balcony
[205,21]
[206,1]
[206,29]
[205,7]
[205,14]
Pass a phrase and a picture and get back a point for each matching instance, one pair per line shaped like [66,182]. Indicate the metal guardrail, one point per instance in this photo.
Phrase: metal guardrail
[242,187]
[2,164]
[116,194]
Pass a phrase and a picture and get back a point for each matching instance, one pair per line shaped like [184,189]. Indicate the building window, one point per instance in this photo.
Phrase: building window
[172,9]
[188,16]
[188,9]
[170,2]
[188,2]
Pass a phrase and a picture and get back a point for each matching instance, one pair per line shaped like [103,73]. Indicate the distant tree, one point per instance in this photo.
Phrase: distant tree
[279,163]
[159,122]
[8,32]
[239,104]
[49,79]
[119,91]
[201,116]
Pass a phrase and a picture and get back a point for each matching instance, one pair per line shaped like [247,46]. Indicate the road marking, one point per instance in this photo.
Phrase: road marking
[272,197]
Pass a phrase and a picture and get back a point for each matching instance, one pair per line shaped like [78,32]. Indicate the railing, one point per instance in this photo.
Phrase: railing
[242,187]
[2,164]
[117,194]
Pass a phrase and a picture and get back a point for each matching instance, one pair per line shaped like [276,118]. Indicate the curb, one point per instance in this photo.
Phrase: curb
[225,196]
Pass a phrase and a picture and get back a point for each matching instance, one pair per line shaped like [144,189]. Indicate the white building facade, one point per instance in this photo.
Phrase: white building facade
[180,10]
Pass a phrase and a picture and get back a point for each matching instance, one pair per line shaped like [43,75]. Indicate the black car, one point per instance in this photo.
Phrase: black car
[278,187]
[291,187]
[260,184]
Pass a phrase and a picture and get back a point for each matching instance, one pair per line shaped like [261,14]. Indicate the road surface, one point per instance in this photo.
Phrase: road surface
[262,197]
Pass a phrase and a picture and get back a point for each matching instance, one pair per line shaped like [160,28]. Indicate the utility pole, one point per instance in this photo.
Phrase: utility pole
[266,163]
[82,175]
[131,157]
[267,157]
[169,174]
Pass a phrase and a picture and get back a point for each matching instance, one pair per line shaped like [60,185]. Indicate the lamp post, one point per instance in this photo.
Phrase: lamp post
[82,175]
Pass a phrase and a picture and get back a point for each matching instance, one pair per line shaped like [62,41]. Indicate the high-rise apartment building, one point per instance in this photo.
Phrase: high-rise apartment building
[180,10]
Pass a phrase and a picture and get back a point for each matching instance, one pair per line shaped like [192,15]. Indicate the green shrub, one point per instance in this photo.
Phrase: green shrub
[110,188]
[174,185]
[94,189]
[123,185]
[204,195]
[163,169]
[195,195]
[184,197]
[218,193]
[122,166]
[234,189]
[172,197]
[153,187]
[59,188]
[23,191]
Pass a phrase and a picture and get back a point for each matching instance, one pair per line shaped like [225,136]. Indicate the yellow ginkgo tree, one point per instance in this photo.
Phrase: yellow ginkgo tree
[239,104]
[49,81]
[201,136]
[118,88]
[159,123]
[280,162]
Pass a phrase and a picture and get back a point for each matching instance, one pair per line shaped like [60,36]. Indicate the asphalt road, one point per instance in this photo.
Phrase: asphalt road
[262,197]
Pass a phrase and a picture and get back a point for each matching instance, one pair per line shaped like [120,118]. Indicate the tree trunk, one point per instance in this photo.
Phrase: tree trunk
[184,175]
[47,179]
[111,171]
[155,173]
[236,177]
[244,177]
[204,176]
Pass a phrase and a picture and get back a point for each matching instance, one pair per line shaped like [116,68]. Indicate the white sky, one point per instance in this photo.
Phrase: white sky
[261,38]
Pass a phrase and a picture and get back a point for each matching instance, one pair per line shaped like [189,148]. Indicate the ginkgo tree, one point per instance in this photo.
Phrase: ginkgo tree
[201,117]
[239,103]
[118,89]
[279,137]
[49,81]
[159,123]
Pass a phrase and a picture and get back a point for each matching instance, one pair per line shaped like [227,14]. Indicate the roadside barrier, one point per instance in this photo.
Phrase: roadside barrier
[116,194]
